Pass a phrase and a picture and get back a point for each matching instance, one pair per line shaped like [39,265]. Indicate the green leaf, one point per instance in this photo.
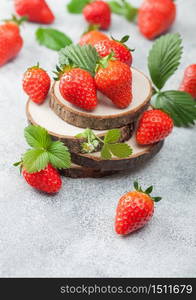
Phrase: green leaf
[37,137]
[124,8]
[105,152]
[156,199]
[116,7]
[179,105]
[76,6]
[136,185]
[59,155]
[112,136]
[164,58]
[52,38]
[120,150]
[149,190]
[84,57]
[35,160]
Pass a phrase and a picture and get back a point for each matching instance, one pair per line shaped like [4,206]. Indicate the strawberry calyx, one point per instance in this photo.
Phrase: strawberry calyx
[123,40]
[90,28]
[148,191]
[60,70]
[103,62]
[17,21]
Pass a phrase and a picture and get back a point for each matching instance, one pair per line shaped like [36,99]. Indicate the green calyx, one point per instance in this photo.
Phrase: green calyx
[163,61]
[148,191]
[61,70]
[124,9]
[16,20]
[123,41]
[91,27]
[103,62]
[109,146]
[43,151]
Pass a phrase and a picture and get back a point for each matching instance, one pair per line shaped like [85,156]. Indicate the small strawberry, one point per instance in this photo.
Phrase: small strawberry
[39,164]
[121,51]
[154,126]
[36,10]
[78,87]
[92,37]
[11,41]
[36,84]
[156,17]
[189,81]
[47,180]
[114,79]
[134,210]
[99,13]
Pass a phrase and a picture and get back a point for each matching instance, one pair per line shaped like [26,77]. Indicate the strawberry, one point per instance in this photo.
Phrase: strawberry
[189,81]
[154,126]
[121,51]
[47,180]
[134,210]
[155,17]
[115,81]
[92,37]
[36,10]
[36,84]
[99,13]
[78,87]
[11,41]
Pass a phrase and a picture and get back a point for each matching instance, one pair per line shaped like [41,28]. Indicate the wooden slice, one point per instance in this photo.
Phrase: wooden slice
[76,171]
[59,130]
[106,115]
[141,154]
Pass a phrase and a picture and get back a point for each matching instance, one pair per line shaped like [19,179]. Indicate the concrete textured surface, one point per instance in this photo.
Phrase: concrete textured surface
[71,234]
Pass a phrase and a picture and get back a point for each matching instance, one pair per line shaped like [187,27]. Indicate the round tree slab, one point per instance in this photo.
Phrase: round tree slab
[106,115]
[140,155]
[42,115]
[76,171]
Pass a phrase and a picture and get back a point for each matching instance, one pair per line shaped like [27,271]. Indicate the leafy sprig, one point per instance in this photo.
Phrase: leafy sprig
[44,151]
[163,61]
[110,145]
[124,9]
[52,38]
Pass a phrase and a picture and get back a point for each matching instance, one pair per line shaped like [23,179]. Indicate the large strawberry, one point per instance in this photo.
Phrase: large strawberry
[115,81]
[11,41]
[40,163]
[121,51]
[92,37]
[134,210]
[154,126]
[99,13]
[155,17]
[189,81]
[78,87]
[36,10]
[36,83]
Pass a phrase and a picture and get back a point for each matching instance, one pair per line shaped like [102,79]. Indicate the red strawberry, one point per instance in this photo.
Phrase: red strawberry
[47,180]
[121,51]
[189,81]
[154,126]
[115,81]
[155,17]
[134,210]
[92,37]
[36,10]
[78,87]
[36,84]
[10,40]
[99,13]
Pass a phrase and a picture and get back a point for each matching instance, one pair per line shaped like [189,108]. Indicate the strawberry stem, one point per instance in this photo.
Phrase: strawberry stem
[148,191]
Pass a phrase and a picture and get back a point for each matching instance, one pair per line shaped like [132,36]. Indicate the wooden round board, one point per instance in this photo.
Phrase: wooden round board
[42,115]
[106,115]
[76,171]
[141,154]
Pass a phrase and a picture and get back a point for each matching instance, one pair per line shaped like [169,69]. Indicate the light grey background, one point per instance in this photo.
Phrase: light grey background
[71,234]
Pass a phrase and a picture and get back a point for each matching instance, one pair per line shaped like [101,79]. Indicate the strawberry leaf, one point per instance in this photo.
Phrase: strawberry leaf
[164,58]
[59,155]
[37,137]
[112,136]
[105,152]
[52,38]
[76,6]
[84,57]
[35,160]
[120,150]
[124,8]
[179,105]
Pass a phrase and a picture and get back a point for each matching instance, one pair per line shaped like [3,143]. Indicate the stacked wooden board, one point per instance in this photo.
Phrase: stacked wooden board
[64,121]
